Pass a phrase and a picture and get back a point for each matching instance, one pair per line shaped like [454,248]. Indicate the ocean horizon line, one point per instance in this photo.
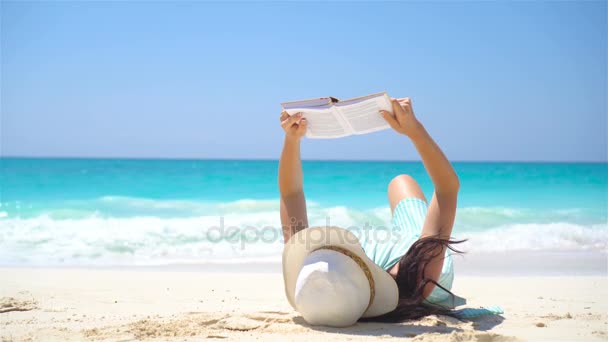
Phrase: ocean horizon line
[129,158]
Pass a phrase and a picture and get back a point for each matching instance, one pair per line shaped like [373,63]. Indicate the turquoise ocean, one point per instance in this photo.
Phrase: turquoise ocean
[110,212]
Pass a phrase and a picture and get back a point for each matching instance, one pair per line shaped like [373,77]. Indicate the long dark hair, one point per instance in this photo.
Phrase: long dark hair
[411,281]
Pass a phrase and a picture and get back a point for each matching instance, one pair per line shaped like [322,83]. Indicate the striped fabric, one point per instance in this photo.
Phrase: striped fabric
[386,245]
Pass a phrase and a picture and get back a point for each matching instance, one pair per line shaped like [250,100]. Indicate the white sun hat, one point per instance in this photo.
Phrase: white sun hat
[330,281]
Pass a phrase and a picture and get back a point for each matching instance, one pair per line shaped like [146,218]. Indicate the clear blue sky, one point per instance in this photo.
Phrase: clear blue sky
[490,80]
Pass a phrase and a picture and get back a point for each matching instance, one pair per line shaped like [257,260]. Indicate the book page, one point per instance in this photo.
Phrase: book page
[323,122]
[363,114]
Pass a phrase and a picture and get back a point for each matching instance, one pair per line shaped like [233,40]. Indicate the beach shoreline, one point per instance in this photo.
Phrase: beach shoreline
[509,263]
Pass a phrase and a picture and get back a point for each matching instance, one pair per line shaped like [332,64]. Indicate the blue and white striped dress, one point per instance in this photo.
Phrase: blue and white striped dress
[386,245]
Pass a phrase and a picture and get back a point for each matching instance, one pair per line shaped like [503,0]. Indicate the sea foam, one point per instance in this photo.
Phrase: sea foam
[250,231]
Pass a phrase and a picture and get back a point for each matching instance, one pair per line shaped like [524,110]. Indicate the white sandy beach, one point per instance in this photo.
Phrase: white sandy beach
[42,304]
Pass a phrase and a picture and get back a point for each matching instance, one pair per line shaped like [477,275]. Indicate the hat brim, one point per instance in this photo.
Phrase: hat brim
[308,240]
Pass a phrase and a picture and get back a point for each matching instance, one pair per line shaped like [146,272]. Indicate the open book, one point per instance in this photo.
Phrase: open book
[329,117]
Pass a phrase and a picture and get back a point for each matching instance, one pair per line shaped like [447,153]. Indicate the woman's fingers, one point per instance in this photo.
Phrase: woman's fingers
[283,116]
[392,121]
[291,120]
[302,126]
[397,109]
[407,105]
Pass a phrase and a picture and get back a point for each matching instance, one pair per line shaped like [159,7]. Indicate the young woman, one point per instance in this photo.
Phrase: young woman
[421,261]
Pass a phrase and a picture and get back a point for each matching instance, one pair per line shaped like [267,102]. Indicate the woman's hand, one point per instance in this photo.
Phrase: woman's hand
[402,119]
[294,125]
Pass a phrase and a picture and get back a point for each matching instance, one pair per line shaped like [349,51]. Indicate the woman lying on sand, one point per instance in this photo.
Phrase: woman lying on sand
[334,278]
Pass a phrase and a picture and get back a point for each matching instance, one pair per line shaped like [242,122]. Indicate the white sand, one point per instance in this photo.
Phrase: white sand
[76,304]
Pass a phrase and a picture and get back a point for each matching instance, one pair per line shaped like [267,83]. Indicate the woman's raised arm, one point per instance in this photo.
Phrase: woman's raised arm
[442,209]
[291,179]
